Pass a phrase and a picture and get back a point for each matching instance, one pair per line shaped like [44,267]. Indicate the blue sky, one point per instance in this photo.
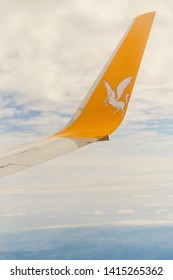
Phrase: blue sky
[50,56]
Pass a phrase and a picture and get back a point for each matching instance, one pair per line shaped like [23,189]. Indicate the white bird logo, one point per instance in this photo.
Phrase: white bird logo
[113,98]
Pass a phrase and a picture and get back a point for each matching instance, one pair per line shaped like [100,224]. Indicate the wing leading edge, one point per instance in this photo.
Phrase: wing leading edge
[97,116]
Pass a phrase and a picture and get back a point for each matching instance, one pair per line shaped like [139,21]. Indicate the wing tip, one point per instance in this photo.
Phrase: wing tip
[147,14]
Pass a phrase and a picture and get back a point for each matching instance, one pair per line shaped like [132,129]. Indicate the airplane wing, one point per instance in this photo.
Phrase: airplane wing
[36,153]
[92,121]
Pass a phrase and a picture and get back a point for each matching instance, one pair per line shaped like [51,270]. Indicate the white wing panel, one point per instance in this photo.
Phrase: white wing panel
[33,154]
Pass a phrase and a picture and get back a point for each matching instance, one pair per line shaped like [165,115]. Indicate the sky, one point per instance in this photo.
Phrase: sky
[51,53]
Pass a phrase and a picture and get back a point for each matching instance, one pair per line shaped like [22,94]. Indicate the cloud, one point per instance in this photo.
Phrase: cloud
[17,214]
[45,38]
[126,211]
[98,212]
[142,196]
[142,222]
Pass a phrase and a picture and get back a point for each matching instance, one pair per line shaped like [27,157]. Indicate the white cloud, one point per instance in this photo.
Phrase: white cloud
[13,214]
[142,196]
[142,222]
[51,44]
[126,211]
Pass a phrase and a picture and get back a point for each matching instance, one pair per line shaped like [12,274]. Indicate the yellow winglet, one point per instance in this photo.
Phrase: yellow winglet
[105,105]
